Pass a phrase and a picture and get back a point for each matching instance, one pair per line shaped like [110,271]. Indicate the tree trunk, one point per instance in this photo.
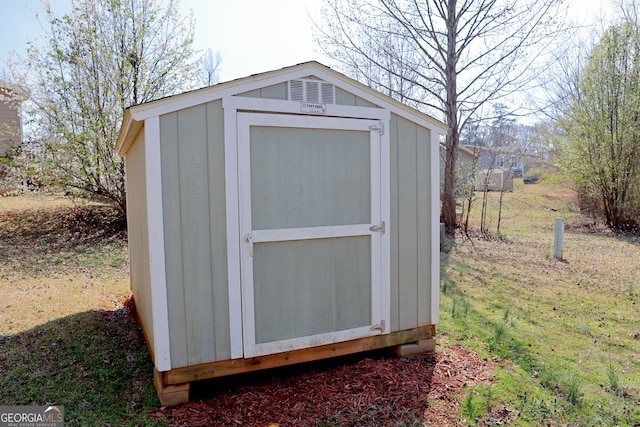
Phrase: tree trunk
[500,211]
[483,211]
[448,213]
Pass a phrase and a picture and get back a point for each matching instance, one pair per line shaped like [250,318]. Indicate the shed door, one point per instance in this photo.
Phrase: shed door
[311,231]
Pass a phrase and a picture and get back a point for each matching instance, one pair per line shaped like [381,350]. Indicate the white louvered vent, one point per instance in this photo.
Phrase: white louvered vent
[296,90]
[315,91]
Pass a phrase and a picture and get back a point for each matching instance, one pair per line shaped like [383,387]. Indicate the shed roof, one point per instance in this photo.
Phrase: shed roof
[134,116]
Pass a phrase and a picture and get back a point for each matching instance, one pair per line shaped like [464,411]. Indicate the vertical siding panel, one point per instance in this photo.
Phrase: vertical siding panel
[138,234]
[217,226]
[408,224]
[173,243]
[196,249]
[424,225]
[394,226]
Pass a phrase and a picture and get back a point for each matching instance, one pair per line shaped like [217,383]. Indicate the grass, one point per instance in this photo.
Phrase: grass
[567,333]
[567,330]
[66,337]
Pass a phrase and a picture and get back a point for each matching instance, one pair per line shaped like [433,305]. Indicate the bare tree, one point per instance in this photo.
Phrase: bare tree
[451,56]
[211,67]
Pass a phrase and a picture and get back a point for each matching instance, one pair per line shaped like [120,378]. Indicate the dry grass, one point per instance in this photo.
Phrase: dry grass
[58,258]
[33,202]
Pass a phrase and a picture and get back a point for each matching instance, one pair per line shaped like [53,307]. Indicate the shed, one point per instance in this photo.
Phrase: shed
[279,218]
[494,180]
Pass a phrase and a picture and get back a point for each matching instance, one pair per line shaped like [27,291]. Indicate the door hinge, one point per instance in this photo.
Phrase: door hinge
[249,238]
[379,327]
[378,127]
[379,228]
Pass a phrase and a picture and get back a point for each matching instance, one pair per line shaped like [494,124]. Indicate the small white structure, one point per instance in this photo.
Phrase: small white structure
[494,180]
[465,167]
[280,218]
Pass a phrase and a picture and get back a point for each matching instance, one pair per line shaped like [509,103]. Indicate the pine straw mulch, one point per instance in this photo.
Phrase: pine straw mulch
[368,390]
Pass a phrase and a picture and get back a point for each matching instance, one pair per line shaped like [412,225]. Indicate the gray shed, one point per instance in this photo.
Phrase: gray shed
[279,218]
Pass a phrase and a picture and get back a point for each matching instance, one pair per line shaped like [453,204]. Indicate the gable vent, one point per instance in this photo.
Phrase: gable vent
[314,91]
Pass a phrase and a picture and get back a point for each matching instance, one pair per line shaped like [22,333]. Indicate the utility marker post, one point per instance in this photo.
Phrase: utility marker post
[559,239]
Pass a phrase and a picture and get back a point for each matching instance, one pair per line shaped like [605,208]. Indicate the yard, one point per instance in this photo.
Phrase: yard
[524,339]
[567,332]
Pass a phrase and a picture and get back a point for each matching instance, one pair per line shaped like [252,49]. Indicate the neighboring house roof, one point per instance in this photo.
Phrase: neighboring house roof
[462,149]
[498,149]
[134,116]
[503,156]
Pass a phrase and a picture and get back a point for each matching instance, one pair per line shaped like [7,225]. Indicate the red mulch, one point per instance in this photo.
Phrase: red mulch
[365,390]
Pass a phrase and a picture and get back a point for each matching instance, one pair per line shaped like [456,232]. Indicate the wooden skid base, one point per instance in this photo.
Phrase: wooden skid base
[170,395]
[173,386]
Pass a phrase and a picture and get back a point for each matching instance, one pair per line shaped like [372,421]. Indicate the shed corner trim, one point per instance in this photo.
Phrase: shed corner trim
[435,228]
[155,224]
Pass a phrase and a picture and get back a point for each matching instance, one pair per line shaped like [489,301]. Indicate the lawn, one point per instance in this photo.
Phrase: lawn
[565,334]
[65,335]
[567,331]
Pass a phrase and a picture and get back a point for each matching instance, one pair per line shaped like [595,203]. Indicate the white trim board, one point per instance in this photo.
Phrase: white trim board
[306,233]
[293,107]
[262,349]
[435,226]
[155,224]
[233,232]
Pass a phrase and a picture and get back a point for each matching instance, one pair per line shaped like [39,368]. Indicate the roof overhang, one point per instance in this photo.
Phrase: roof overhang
[128,133]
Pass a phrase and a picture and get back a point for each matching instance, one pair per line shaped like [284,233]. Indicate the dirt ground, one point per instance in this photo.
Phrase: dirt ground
[363,390]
